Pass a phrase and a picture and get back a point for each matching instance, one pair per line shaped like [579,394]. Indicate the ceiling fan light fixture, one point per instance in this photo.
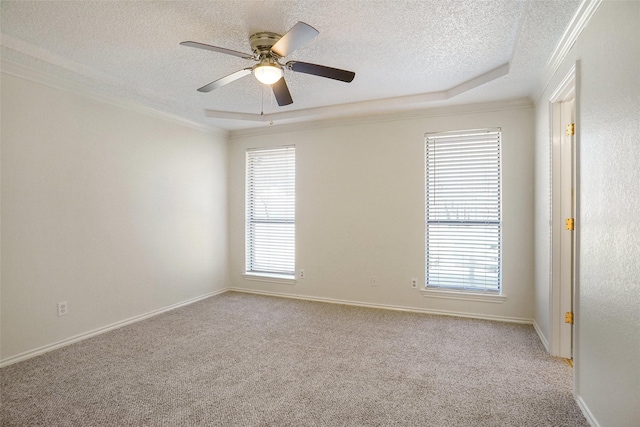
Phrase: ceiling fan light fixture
[267,72]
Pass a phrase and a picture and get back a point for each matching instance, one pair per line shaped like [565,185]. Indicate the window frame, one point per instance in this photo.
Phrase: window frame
[492,291]
[281,248]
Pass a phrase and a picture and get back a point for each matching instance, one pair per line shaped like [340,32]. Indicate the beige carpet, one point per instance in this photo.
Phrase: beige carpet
[246,360]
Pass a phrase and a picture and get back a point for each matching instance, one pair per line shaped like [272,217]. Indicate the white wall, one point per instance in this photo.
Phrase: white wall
[607,331]
[360,208]
[116,212]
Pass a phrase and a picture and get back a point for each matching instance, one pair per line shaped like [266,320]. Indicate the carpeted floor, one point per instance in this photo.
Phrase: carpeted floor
[247,360]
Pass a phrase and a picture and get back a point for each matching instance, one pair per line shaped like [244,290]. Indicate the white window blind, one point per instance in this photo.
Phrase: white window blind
[463,210]
[270,211]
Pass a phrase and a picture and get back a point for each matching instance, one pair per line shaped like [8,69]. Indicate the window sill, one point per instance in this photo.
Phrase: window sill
[463,295]
[273,278]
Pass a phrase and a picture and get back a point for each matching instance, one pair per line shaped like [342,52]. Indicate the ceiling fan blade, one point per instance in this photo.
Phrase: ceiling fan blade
[223,81]
[299,35]
[217,49]
[281,92]
[321,70]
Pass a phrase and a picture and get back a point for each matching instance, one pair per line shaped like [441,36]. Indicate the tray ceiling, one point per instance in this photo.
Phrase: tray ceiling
[406,54]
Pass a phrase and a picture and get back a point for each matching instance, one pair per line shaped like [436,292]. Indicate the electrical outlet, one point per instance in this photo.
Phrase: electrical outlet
[414,282]
[302,275]
[63,310]
[374,280]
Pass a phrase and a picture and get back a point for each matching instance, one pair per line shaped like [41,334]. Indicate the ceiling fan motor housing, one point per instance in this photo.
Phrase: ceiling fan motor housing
[261,43]
[267,71]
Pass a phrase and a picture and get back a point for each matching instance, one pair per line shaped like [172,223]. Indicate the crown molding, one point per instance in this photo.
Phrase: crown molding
[26,73]
[379,106]
[452,110]
[579,22]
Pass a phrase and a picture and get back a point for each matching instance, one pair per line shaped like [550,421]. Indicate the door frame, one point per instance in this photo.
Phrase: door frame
[564,248]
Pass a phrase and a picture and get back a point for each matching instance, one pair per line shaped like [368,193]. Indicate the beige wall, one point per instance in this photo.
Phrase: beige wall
[607,331]
[116,212]
[360,209]
[120,214]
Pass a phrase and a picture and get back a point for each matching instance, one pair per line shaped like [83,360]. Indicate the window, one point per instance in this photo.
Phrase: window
[463,211]
[270,212]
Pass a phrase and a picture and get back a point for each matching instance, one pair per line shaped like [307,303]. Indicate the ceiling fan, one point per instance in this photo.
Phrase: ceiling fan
[268,49]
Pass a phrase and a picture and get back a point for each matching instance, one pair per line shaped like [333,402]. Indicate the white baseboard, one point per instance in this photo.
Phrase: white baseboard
[586,412]
[388,307]
[49,347]
[545,343]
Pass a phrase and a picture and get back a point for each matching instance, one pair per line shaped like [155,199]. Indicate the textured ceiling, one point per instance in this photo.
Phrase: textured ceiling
[399,50]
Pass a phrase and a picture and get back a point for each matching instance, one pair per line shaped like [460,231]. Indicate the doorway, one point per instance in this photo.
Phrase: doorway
[563,214]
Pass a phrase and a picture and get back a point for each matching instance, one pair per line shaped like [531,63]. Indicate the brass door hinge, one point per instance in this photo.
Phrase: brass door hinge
[570,224]
[571,129]
[568,317]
